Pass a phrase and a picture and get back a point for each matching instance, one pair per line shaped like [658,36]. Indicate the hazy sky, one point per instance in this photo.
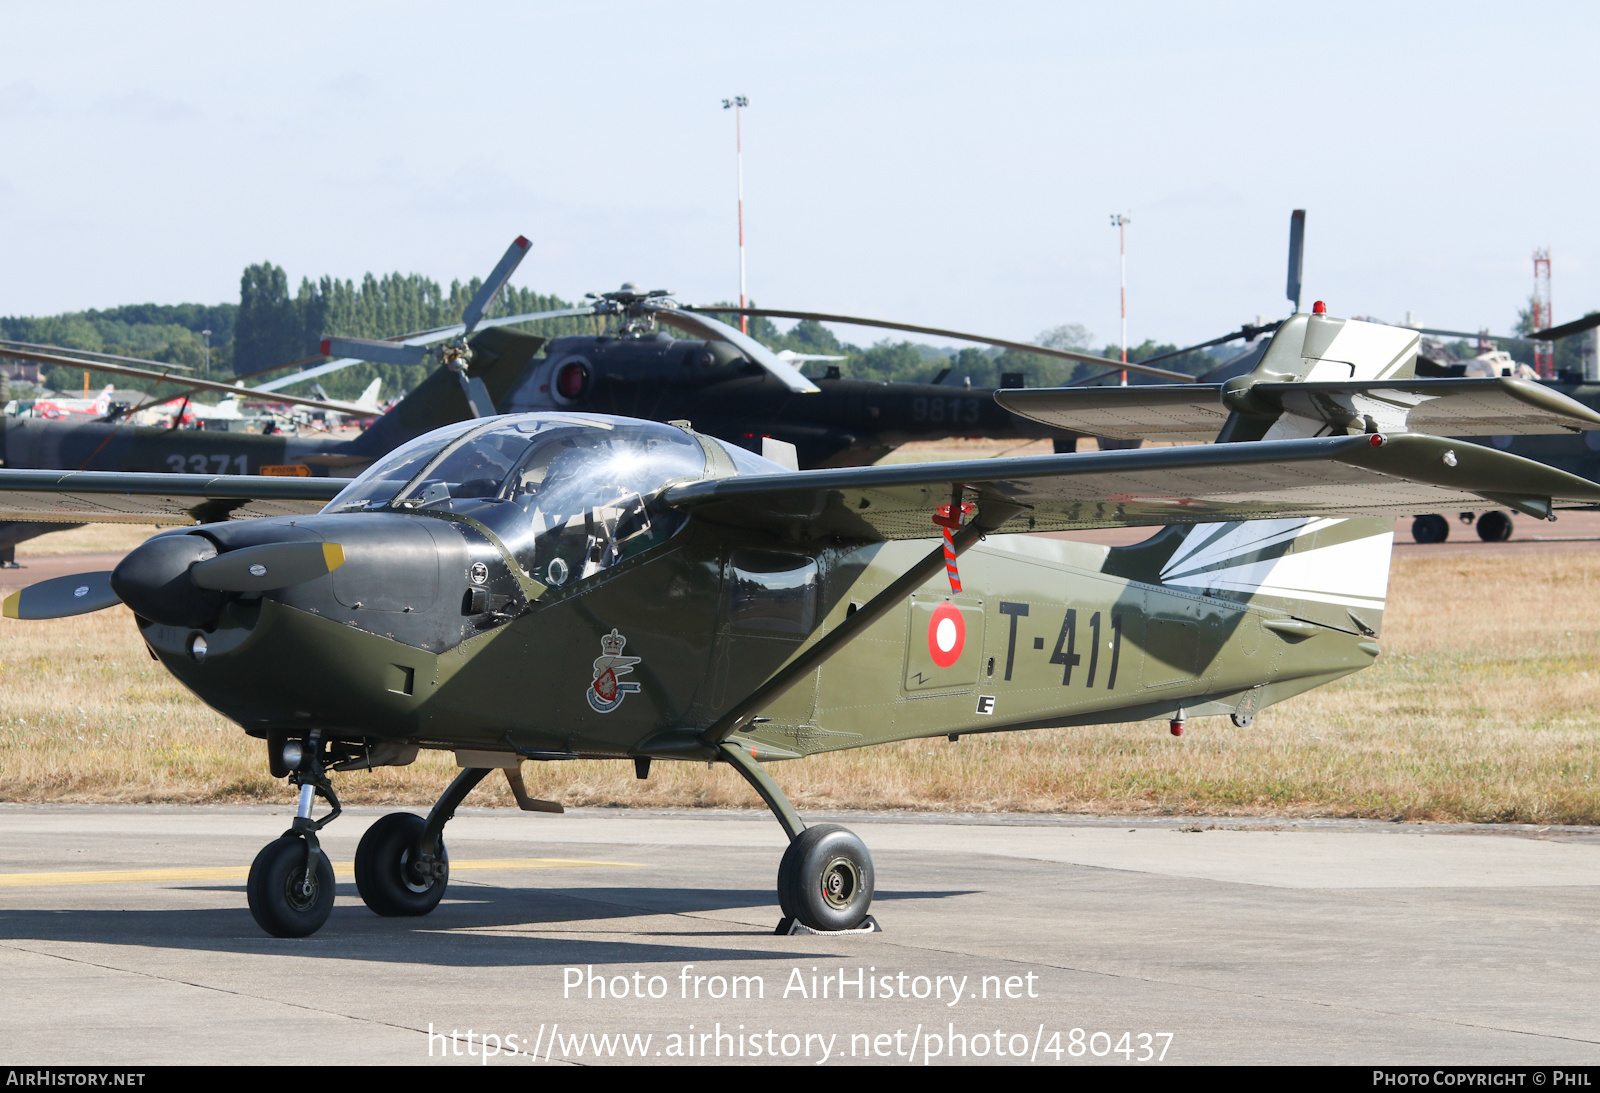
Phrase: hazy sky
[946,164]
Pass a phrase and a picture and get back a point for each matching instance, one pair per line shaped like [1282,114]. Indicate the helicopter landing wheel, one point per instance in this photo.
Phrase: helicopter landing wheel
[1494,527]
[825,879]
[290,888]
[394,881]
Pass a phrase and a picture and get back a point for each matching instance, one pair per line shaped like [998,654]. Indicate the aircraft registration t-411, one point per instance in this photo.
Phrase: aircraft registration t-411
[549,586]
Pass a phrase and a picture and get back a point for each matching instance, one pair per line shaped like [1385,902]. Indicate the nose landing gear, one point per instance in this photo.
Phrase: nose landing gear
[290,889]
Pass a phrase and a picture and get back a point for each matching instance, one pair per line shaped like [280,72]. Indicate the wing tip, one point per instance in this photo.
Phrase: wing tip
[11,609]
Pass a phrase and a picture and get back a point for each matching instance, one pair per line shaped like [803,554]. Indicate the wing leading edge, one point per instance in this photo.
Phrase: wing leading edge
[1196,411]
[88,497]
[1324,476]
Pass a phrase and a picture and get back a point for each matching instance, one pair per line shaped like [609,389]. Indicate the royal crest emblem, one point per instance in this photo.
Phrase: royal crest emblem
[606,692]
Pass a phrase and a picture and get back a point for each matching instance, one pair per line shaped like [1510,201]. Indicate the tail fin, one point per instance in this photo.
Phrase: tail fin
[1328,571]
[369,398]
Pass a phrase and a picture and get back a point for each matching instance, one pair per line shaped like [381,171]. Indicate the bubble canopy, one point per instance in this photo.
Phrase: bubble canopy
[569,494]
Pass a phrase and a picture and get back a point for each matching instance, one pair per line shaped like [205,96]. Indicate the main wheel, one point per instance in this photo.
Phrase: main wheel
[384,874]
[825,878]
[286,898]
[1430,529]
[1494,527]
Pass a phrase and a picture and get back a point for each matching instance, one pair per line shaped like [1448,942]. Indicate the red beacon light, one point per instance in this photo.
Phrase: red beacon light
[1319,308]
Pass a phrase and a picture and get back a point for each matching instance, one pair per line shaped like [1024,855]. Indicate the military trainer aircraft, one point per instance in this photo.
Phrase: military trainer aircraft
[549,586]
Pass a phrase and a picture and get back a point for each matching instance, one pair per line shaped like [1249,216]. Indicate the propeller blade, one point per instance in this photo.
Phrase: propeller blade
[1566,330]
[712,330]
[478,399]
[366,349]
[59,597]
[263,568]
[497,279]
[1020,347]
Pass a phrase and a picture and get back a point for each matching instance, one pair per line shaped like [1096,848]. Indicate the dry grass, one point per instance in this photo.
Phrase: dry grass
[1483,708]
[88,539]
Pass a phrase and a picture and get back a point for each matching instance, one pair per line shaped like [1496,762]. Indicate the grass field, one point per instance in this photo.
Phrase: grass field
[1482,708]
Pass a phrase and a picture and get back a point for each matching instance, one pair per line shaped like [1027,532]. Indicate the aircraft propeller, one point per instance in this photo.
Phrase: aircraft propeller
[173,579]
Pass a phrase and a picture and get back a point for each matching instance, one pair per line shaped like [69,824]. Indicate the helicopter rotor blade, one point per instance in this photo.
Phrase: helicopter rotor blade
[62,597]
[1247,332]
[497,279]
[426,337]
[478,400]
[1473,335]
[266,567]
[1297,254]
[712,330]
[367,349]
[91,357]
[1020,347]
[1566,330]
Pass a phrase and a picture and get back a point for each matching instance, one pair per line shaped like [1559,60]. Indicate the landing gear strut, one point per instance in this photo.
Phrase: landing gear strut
[291,881]
[825,878]
[402,868]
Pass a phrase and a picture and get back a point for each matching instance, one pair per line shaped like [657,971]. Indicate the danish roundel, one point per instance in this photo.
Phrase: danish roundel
[947,635]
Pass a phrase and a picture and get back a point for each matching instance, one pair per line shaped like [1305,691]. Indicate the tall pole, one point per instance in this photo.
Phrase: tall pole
[1121,223]
[207,334]
[738,103]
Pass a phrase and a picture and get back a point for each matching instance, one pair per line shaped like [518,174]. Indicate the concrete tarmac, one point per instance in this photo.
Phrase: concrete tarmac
[125,939]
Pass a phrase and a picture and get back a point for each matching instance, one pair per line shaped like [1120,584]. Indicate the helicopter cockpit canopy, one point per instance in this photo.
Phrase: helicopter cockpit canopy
[568,494]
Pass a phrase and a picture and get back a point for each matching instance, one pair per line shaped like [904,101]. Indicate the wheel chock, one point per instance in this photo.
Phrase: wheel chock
[792,927]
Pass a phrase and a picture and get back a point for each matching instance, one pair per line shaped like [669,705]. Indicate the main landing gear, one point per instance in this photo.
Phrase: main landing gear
[402,868]
[825,878]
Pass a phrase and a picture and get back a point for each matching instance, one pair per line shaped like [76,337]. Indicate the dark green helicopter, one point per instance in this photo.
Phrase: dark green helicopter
[499,358]
[730,385]
[556,585]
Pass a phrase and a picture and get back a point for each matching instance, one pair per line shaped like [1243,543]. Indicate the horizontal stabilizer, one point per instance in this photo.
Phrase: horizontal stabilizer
[1322,476]
[1195,412]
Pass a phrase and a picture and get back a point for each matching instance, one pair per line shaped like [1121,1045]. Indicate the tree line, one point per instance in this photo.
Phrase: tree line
[272,325]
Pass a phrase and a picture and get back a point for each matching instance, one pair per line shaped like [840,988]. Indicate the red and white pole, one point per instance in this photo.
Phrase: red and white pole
[738,103]
[1121,223]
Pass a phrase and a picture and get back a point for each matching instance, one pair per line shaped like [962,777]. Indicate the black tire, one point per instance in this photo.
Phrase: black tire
[1494,527]
[1430,529]
[383,874]
[281,901]
[825,879]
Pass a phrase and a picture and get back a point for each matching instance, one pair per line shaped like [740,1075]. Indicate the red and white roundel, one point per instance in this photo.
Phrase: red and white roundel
[947,635]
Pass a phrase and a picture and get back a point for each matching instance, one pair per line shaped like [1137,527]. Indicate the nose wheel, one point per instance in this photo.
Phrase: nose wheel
[290,887]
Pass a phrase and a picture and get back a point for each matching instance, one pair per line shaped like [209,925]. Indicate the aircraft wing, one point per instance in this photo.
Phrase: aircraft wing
[1321,476]
[1177,412]
[1195,411]
[89,497]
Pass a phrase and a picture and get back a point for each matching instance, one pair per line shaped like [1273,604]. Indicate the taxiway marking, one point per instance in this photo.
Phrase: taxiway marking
[341,871]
